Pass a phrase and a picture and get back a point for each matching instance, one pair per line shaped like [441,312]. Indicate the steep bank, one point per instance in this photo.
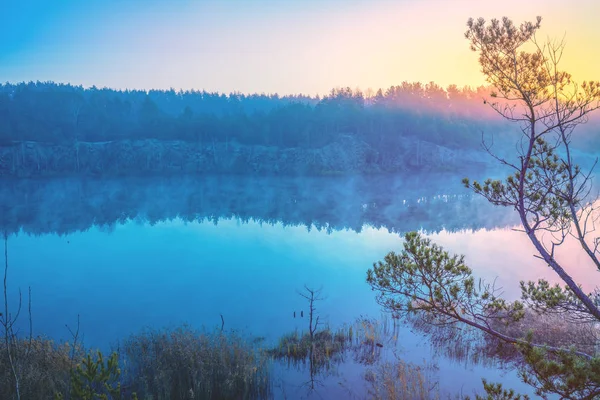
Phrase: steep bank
[127,157]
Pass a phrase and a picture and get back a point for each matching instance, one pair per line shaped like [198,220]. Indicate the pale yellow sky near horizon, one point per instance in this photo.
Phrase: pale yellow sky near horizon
[285,47]
[441,53]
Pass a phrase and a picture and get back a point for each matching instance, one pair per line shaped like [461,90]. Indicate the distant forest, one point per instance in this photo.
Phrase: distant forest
[58,113]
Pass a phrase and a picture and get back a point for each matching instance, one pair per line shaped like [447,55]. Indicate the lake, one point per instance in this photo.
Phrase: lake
[131,253]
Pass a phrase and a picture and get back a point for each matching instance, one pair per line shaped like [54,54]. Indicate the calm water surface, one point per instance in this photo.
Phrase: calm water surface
[125,256]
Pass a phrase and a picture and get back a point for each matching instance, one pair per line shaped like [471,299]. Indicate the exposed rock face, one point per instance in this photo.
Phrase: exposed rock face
[348,155]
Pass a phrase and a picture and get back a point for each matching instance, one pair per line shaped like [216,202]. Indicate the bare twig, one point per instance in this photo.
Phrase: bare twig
[8,322]
[75,336]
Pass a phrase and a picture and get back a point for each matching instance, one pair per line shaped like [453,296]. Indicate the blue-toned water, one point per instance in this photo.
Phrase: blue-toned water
[129,254]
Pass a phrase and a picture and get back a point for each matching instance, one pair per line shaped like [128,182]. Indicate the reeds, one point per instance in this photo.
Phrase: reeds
[323,351]
[184,363]
[43,367]
[400,380]
[179,363]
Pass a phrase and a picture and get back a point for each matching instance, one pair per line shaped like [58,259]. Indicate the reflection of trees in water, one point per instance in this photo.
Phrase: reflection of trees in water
[399,204]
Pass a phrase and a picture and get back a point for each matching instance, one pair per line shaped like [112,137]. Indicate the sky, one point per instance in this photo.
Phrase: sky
[271,46]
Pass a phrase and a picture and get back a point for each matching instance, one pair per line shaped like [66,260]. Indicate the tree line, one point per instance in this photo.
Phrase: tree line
[62,113]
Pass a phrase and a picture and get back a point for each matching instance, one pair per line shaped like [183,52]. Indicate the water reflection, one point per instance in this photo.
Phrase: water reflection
[400,203]
[507,256]
[177,272]
[146,252]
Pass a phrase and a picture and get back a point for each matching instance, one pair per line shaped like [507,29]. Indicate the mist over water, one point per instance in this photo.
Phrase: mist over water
[137,253]
[398,203]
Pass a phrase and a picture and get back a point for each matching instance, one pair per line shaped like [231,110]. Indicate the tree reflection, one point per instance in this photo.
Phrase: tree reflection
[397,204]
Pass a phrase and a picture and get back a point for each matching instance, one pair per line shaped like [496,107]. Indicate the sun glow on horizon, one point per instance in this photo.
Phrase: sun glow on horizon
[263,46]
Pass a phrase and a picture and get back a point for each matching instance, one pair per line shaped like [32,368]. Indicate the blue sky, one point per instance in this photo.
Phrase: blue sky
[292,46]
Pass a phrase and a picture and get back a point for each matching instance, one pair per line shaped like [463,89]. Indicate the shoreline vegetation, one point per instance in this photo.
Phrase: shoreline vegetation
[186,363]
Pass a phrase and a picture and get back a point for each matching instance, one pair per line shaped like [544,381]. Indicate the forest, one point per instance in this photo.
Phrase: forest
[56,129]
[57,113]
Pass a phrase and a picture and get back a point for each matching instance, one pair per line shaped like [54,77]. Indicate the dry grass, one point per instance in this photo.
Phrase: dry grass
[553,330]
[370,336]
[184,363]
[467,345]
[170,364]
[43,367]
[364,339]
[401,381]
[390,379]
[325,349]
